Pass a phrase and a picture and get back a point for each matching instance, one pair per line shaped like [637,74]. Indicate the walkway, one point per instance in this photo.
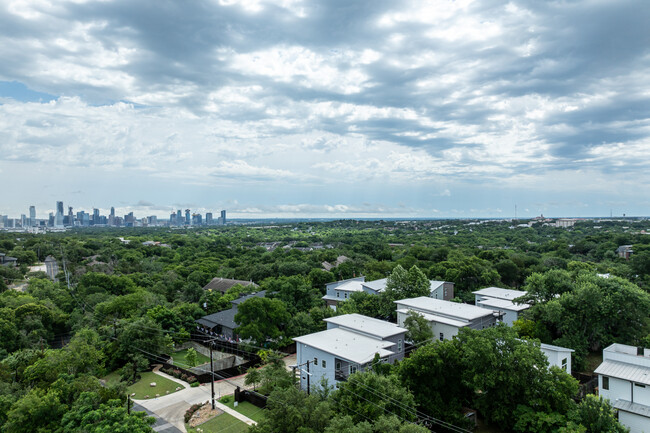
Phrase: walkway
[172,407]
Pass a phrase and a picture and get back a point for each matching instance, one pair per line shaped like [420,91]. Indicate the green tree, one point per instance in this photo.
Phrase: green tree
[37,411]
[89,415]
[192,358]
[597,416]
[253,377]
[290,410]
[262,320]
[418,327]
[367,395]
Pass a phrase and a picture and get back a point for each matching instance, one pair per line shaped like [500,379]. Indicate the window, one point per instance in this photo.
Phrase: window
[399,345]
[323,363]
[338,294]
[442,336]
[315,361]
[605,382]
[338,366]
[353,369]
[564,363]
[346,295]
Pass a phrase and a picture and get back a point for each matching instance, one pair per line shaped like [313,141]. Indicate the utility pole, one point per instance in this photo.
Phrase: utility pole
[128,404]
[308,375]
[212,375]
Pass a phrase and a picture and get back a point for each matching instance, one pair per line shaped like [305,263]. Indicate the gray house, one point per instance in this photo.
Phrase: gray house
[348,345]
[438,289]
[222,324]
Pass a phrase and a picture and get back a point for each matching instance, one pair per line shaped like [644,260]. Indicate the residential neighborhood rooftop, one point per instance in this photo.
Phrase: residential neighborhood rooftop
[352,285]
[627,350]
[438,318]
[223,284]
[366,325]
[499,293]
[447,308]
[503,304]
[624,370]
[347,345]
[556,348]
[376,285]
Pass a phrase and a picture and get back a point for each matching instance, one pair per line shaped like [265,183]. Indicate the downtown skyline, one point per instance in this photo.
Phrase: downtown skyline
[327,109]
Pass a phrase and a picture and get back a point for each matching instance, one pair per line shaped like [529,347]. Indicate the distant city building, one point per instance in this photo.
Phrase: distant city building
[70,216]
[179,218]
[223,217]
[188,218]
[58,218]
[208,218]
[32,216]
[96,216]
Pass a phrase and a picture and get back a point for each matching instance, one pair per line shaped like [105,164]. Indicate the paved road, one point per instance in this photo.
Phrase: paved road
[161,425]
[172,407]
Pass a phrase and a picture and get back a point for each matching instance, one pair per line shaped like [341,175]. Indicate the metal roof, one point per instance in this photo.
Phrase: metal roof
[438,307]
[437,319]
[625,371]
[223,284]
[376,285]
[238,301]
[499,293]
[348,286]
[628,406]
[555,348]
[224,318]
[366,325]
[347,345]
[502,304]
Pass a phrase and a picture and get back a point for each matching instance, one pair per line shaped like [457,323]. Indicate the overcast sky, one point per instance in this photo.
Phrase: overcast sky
[326,108]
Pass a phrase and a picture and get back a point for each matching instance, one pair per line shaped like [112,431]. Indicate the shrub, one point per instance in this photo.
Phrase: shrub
[191,379]
[194,384]
[226,399]
[191,410]
[184,377]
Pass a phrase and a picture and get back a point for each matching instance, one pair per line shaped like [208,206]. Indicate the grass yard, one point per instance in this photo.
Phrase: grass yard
[142,388]
[247,409]
[112,378]
[220,423]
[181,361]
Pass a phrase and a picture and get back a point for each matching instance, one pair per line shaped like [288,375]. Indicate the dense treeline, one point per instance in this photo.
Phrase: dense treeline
[128,302]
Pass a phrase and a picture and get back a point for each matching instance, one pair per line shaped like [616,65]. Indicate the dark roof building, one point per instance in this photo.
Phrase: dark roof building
[5,260]
[224,284]
[223,323]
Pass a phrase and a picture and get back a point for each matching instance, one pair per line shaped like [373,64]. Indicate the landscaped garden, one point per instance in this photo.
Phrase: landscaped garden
[143,390]
[219,423]
[180,358]
[245,408]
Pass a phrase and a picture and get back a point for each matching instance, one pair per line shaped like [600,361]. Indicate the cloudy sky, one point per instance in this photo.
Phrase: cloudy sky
[326,108]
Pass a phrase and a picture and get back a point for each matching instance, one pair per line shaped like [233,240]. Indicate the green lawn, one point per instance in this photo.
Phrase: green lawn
[247,409]
[112,378]
[220,423]
[142,388]
[179,358]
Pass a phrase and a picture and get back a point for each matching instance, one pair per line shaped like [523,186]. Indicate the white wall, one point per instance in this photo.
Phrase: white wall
[307,353]
[636,423]
[641,395]
[555,358]
[617,389]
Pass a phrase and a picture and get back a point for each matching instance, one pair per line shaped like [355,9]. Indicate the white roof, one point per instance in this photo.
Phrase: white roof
[376,285]
[453,310]
[367,325]
[503,304]
[347,345]
[349,286]
[437,319]
[555,348]
[499,293]
[435,284]
[623,370]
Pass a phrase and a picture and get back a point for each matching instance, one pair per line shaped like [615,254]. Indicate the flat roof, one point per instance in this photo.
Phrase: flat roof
[503,304]
[347,345]
[349,286]
[453,310]
[623,370]
[555,348]
[628,406]
[376,285]
[367,325]
[499,293]
[437,319]
[627,350]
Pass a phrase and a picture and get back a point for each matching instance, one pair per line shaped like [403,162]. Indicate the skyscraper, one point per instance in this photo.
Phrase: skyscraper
[223,217]
[96,216]
[179,218]
[70,216]
[208,218]
[111,217]
[188,217]
[32,216]
[58,218]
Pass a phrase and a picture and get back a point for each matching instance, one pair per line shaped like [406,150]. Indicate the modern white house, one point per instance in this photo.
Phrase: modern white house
[438,289]
[348,345]
[498,299]
[558,356]
[341,290]
[624,379]
[445,317]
